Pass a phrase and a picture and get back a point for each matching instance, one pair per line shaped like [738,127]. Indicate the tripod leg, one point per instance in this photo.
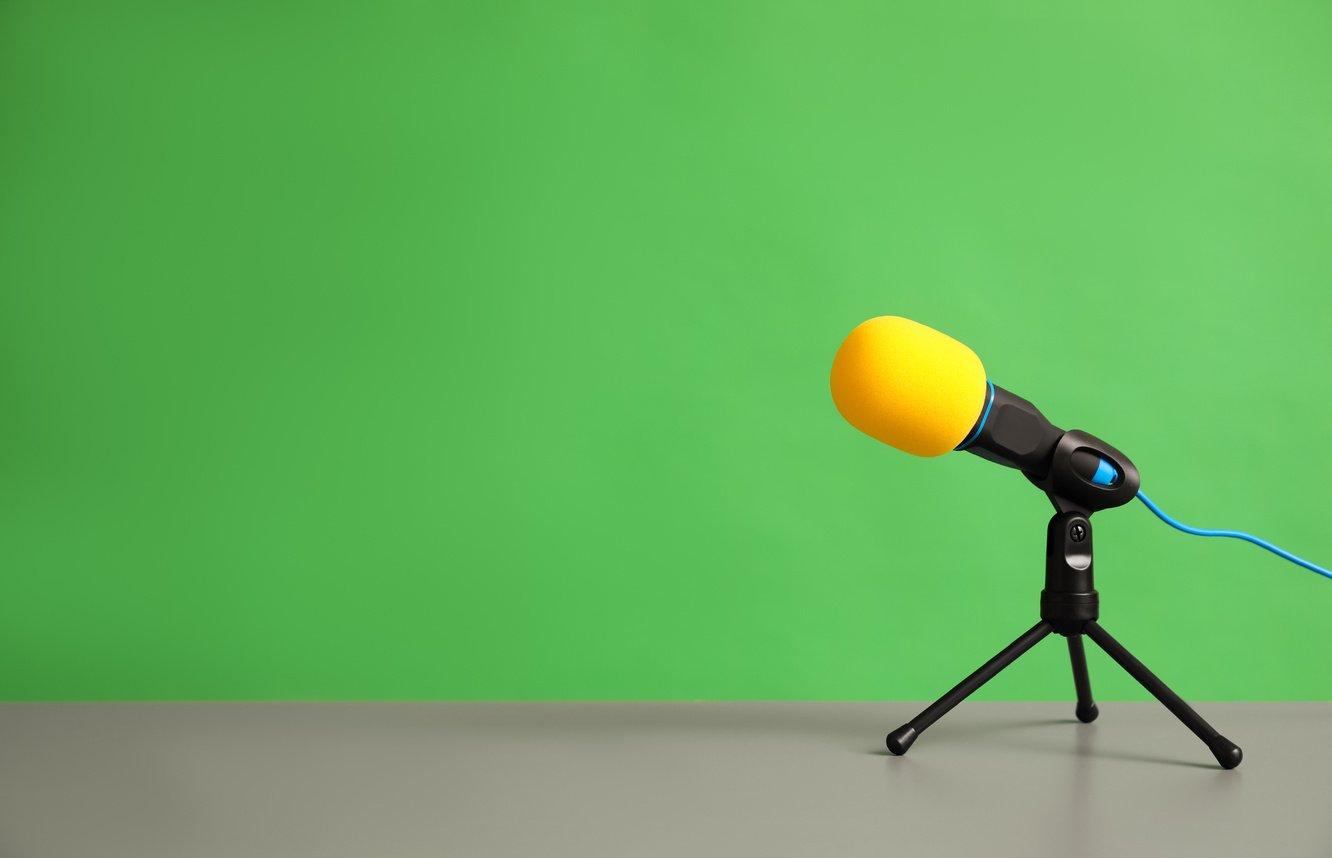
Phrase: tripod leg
[901,739]
[1086,709]
[1227,753]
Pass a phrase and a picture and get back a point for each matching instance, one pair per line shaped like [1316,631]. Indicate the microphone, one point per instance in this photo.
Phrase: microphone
[925,393]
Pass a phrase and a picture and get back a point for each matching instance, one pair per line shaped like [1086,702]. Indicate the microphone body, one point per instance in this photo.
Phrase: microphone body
[1013,432]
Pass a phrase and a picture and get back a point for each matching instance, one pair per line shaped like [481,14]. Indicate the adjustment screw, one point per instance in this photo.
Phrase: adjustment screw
[1077,533]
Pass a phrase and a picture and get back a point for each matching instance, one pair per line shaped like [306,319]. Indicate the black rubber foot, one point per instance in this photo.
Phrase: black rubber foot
[1227,753]
[1088,714]
[900,739]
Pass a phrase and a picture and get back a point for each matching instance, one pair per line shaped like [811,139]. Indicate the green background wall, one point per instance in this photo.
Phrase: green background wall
[425,350]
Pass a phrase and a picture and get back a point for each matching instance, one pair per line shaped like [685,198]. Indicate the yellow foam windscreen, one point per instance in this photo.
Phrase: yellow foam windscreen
[908,385]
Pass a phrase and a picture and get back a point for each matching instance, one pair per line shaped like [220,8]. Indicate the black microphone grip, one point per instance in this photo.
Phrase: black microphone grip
[1013,432]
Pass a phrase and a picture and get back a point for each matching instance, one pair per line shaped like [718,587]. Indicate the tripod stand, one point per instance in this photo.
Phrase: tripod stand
[1070,607]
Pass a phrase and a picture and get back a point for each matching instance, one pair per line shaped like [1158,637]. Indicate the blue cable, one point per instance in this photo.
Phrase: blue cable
[1262,543]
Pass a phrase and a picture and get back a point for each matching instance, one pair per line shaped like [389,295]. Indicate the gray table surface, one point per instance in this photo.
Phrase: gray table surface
[399,780]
